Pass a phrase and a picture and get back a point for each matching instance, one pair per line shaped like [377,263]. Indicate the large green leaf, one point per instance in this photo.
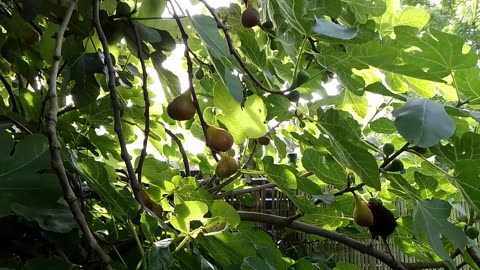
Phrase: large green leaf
[159,256]
[385,57]
[438,52]
[82,70]
[467,84]
[186,212]
[325,167]
[423,122]
[25,179]
[287,182]
[467,176]
[431,220]
[366,8]
[251,116]
[100,177]
[218,50]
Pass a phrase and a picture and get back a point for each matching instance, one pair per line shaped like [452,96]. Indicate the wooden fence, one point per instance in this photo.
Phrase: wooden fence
[272,201]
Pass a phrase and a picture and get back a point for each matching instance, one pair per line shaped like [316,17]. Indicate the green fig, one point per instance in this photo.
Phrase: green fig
[472,232]
[199,74]
[293,96]
[250,17]
[219,139]
[301,78]
[182,107]
[226,167]
[264,140]
[395,166]
[388,149]
[123,9]
[362,215]
[267,25]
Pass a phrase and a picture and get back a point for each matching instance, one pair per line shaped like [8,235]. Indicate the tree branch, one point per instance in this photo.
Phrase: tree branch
[235,53]
[474,255]
[190,76]
[310,229]
[182,150]
[57,163]
[116,105]
[146,100]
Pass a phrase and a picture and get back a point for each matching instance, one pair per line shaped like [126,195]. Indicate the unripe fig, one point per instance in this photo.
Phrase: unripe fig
[301,78]
[250,17]
[293,96]
[123,9]
[226,167]
[267,25]
[395,166]
[219,139]
[388,149]
[472,232]
[264,140]
[182,107]
[199,74]
[362,215]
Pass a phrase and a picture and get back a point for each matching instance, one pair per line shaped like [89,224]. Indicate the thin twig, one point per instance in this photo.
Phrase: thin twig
[146,100]
[190,76]
[210,66]
[182,150]
[17,123]
[68,108]
[311,229]
[116,105]
[237,56]
[13,100]
[57,163]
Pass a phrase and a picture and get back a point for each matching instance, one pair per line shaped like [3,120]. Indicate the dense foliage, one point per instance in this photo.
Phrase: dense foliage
[97,164]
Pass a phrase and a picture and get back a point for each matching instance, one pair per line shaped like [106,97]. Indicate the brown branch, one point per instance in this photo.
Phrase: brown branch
[424,265]
[68,108]
[310,229]
[146,100]
[57,163]
[235,53]
[13,100]
[474,255]
[116,105]
[190,75]
[182,150]
[210,66]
